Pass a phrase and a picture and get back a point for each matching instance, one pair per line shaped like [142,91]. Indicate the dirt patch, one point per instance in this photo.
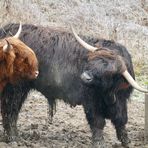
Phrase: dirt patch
[69,128]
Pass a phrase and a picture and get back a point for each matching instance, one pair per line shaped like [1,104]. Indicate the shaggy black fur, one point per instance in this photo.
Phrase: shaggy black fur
[62,61]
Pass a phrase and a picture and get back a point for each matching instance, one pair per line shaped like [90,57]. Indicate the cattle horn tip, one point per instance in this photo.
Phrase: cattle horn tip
[19,31]
[133,83]
[7,46]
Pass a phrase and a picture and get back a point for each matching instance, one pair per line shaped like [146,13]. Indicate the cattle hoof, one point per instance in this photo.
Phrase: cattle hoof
[99,144]
[11,139]
[49,120]
[123,137]
[127,143]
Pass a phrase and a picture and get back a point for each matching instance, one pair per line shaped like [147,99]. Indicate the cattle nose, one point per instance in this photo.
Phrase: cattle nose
[36,73]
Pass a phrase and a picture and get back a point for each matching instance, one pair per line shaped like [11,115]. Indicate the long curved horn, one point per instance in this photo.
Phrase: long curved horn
[18,32]
[129,78]
[7,46]
[83,43]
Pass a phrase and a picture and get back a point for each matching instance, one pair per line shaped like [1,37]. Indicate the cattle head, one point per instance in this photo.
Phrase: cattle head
[17,60]
[104,62]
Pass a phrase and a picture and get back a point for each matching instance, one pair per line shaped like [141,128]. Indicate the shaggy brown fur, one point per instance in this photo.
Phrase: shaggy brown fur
[103,52]
[19,62]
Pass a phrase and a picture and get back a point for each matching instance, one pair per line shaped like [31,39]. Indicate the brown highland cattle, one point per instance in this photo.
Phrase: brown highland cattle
[17,61]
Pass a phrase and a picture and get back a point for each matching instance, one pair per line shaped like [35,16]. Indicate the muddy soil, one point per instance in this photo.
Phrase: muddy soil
[69,128]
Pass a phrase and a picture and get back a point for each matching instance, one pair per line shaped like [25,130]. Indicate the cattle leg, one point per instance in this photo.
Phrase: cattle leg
[51,109]
[51,103]
[123,136]
[119,119]
[97,123]
[11,103]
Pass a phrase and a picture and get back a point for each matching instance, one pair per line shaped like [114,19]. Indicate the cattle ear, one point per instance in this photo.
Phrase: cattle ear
[7,47]
[87,77]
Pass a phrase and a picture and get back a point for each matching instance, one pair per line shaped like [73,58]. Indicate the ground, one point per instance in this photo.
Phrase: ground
[69,128]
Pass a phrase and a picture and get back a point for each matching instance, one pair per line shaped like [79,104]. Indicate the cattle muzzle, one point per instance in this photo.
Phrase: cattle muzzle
[36,73]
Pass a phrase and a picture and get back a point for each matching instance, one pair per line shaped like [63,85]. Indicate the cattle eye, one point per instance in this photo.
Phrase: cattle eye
[87,77]
[25,60]
[17,55]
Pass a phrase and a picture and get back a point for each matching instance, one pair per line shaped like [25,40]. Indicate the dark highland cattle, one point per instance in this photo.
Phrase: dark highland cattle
[17,60]
[99,79]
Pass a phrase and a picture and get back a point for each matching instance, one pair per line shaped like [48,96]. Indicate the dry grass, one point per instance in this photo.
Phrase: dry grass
[124,21]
